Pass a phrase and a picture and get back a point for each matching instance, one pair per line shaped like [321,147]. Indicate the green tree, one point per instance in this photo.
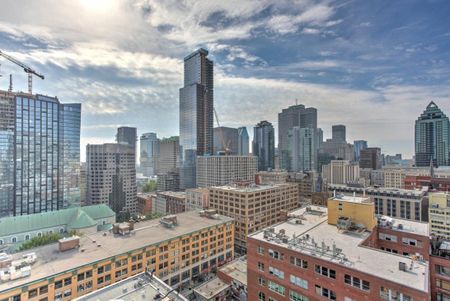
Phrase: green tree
[150,186]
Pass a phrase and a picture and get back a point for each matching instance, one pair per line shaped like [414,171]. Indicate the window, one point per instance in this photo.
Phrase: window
[14,239]
[58,284]
[261,266]
[441,270]
[260,250]
[27,237]
[294,296]
[43,290]
[298,281]
[33,293]
[325,271]
[1,242]
[261,296]
[275,254]
[275,287]
[67,281]
[298,262]
[356,282]
[409,241]
[261,281]
[272,299]
[324,292]
[61,230]
[276,272]
[390,294]
[384,236]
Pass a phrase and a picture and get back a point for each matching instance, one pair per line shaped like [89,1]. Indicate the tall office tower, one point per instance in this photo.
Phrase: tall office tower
[71,119]
[432,137]
[302,146]
[338,133]
[358,146]
[264,145]
[111,176]
[149,150]
[225,137]
[196,114]
[39,153]
[370,158]
[293,116]
[225,170]
[169,151]
[243,141]
[127,135]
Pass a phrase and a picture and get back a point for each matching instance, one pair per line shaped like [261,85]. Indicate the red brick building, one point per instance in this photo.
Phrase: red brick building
[417,182]
[305,258]
[145,202]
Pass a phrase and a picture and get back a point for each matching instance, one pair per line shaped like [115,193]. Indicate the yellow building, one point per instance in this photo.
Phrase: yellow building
[439,214]
[359,210]
[178,250]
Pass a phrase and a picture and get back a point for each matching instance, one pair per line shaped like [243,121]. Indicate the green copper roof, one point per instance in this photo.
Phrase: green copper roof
[75,218]
[81,220]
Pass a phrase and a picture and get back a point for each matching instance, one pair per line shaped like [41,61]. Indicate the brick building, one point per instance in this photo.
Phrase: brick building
[170,202]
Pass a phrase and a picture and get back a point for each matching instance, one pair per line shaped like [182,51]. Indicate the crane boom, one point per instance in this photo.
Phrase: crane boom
[25,68]
[224,145]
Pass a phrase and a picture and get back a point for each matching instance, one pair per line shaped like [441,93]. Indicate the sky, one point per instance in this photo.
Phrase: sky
[371,65]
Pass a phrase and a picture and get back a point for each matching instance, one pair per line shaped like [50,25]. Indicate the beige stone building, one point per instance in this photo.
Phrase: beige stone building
[254,207]
[340,172]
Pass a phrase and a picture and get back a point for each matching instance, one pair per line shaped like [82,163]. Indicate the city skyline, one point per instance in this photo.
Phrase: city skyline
[323,63]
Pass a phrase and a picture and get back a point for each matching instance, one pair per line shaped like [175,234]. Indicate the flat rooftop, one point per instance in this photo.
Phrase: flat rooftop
[139,287]
[403,225]
[50,261]
[251,188]
[315,237]
[175,194]
[237,270]
[211,288]
[352,199]
[416,193]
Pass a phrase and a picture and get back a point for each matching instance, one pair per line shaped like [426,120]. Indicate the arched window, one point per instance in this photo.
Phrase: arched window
[39,234]
[61,230]
[1,242]
[27,237]
[50,232]
[14,239]
[261,296]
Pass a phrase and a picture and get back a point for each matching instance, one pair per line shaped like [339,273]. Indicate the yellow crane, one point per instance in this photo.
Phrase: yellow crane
[25,68]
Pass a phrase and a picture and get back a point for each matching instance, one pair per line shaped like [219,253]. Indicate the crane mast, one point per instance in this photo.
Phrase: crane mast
[25,68]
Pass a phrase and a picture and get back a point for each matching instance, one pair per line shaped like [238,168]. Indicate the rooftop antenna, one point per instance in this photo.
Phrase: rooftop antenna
[10,83]
[296,101]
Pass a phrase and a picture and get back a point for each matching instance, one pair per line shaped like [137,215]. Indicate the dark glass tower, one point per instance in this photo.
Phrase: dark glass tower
[432,137]
[264,145]
[196,114]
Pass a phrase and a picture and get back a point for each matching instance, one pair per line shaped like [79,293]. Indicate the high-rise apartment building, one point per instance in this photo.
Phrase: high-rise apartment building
[225,170]
[370,158]
[40,154]
[358,146]
[293,116]
[432,137]
[168,182]
[302,149]
[111,176]
[243,142]
[225,139]
[253,207]
[196,114]
[338,133]
[340,172]
[264,145]
[439,214]
[149,150]
[169,151]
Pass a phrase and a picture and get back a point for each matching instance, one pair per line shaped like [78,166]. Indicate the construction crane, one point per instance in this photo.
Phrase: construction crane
[26,68]
[225,146]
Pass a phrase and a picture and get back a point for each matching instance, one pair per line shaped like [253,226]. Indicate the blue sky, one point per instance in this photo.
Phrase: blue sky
[372,65]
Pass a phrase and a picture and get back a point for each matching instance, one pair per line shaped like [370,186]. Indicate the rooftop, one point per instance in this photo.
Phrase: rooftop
[211,288]
[237,270]
[403,225]
[174,194]
[252,187]
[309,233]
[381,189]
[97,247]
[351,199]
[139,287]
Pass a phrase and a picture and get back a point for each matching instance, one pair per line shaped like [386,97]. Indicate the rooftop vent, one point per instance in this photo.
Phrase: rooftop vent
[209,213]
[68,243]
[402,266]
[169,221]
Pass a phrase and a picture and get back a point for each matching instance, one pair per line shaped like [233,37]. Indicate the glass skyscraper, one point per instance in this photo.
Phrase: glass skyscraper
[149,150]
[42,137]
[303,148]
[432,137]
[243,141]
[359,145]
[196,114]
[264,145]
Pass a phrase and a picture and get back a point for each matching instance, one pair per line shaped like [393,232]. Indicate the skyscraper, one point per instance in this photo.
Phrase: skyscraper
[370,158]
[169,151]
[229,137]
[338,133]
[127,135]
[149,152]
[358,146]
[111,176]
[243,141]
[196,114]
[432,137]
[264,145]
[39,169]
[302,145]
[290,117]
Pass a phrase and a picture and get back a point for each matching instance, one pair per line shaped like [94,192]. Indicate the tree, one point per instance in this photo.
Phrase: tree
[150,186]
